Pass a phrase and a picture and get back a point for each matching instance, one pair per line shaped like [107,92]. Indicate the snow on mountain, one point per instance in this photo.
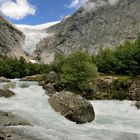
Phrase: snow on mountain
[33,34]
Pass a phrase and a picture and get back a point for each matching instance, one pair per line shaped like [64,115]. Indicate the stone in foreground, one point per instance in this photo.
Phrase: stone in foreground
[73,107]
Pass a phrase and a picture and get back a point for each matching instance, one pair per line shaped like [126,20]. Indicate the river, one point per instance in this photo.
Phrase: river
[115,120]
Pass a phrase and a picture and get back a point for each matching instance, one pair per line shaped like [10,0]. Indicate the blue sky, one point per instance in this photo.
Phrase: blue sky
[34,12]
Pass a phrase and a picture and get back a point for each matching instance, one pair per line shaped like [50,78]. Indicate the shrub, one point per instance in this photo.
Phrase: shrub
[124,60]
[106,61]
[120,91]
[77,70]
[58,62]
[13,68]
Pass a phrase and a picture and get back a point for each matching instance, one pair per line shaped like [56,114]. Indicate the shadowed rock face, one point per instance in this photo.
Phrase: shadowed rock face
[102,25]
[11,40]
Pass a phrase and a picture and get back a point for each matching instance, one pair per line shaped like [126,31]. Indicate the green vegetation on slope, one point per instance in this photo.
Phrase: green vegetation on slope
[13,68]
[124,60]
[78,71]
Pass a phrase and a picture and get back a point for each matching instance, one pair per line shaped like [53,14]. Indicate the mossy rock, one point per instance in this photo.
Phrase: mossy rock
[38,78]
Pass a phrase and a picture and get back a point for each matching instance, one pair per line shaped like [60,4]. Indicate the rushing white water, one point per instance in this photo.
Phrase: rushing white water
[115,120]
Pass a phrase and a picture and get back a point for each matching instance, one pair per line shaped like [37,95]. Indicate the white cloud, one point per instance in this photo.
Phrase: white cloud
[91,4]
[77,3]
[113,2]
[17,10]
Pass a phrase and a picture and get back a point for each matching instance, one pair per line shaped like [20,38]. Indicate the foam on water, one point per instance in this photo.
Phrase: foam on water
[115,120]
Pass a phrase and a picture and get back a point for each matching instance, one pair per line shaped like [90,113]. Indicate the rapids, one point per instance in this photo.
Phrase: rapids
[115,120]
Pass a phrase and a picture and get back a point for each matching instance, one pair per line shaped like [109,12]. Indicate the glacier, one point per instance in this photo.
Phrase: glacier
[33,35]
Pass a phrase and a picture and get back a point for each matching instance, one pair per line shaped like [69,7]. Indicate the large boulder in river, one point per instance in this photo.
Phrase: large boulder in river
[3,80]
[6,93]
[73,107]
[52,77]
[137,104]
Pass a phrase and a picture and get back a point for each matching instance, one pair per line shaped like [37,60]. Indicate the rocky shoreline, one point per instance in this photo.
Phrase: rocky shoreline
[105,87]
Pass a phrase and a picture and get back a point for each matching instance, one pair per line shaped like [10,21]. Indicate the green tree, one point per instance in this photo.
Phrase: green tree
[77,70]
[106,60]
[58,62]
[22,66]
[124,60]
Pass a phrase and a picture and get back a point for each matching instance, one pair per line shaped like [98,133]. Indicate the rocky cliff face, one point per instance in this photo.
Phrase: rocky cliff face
[11,40]
[97,24]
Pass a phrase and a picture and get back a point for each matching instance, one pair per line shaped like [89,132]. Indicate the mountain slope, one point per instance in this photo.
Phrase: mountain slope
[11,40]
[95,25]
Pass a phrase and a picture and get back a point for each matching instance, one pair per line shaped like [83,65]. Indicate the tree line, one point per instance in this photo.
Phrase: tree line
[78,68]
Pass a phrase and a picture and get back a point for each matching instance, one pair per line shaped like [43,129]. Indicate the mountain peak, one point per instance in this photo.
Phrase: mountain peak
[106,25]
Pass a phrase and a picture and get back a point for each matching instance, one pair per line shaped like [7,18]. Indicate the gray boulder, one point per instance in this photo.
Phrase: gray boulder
[137,104]
[42,83]
[73,107]
[6,93]
[3,80]
[52,77]
[49,89]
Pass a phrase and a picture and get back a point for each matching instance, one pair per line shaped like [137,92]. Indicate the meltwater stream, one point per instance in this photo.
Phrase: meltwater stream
[115,120]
